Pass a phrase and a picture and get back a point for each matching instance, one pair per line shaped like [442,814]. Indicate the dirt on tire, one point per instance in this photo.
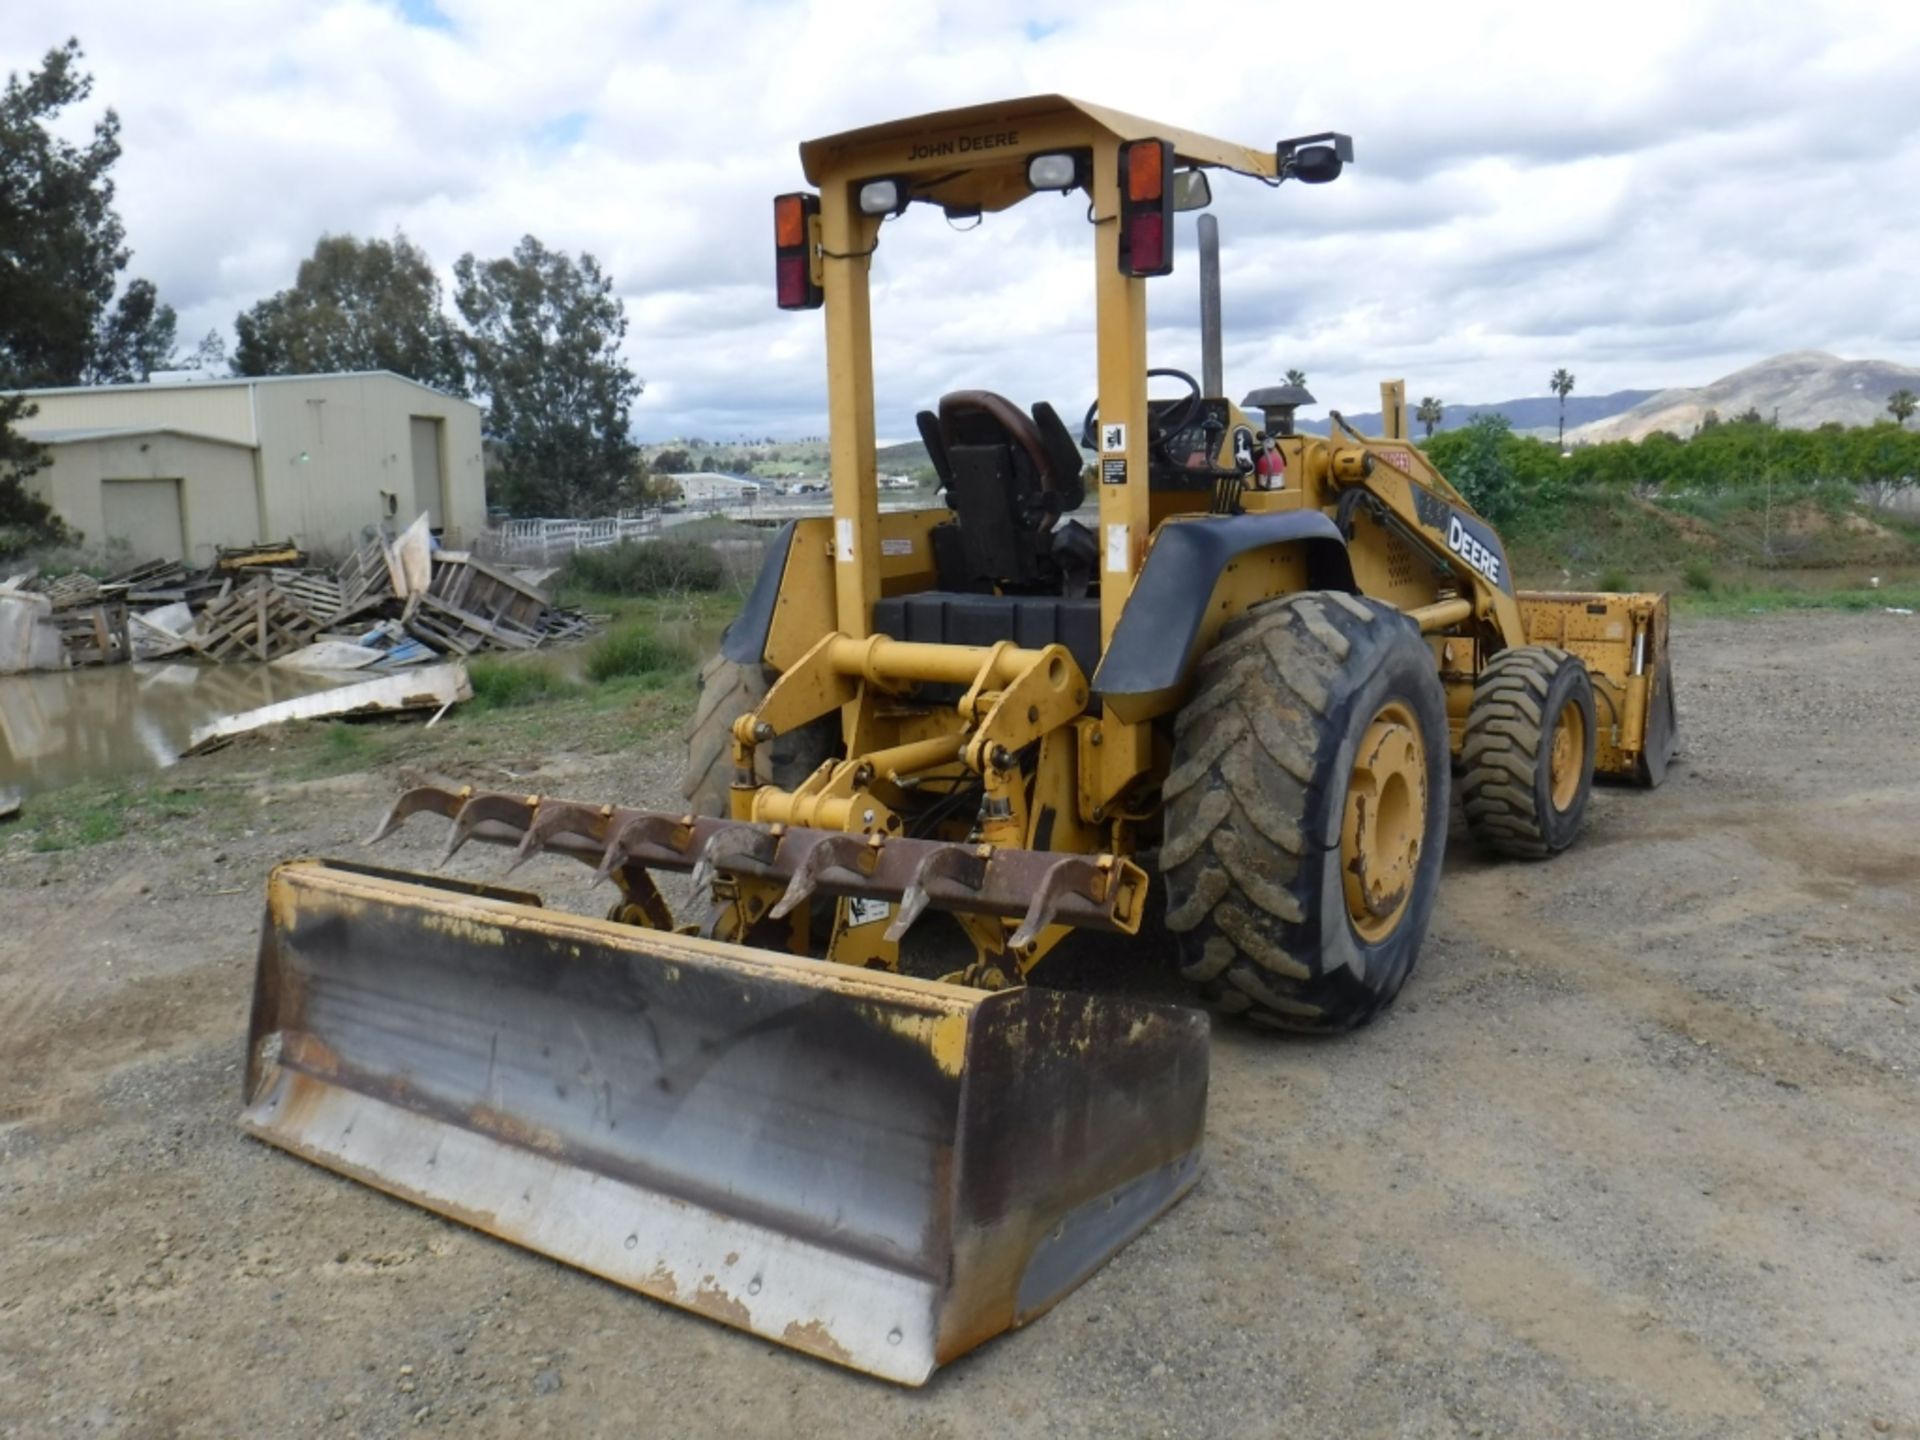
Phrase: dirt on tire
[1506,788]
[1261,761]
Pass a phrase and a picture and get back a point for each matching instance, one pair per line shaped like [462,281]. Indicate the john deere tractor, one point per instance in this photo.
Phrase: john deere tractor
[1180,659]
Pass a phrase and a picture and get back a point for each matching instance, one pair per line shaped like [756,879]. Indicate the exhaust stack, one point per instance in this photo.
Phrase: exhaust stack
[1212,367]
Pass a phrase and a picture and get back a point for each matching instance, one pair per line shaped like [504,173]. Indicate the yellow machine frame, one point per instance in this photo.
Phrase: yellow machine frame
[880,1169]
[1096,768]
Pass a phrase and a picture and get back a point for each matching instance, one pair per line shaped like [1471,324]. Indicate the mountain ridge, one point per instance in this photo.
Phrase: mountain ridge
[1798,389]
[1534,414]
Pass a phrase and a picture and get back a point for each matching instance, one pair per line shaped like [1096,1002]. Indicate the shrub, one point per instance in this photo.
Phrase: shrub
[634,649]
[1616,581]
[499,684]
[644,567]
[1698,577]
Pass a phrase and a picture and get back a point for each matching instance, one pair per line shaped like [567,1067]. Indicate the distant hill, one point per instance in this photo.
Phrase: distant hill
[1803,389]
[1539,414]
[907,455]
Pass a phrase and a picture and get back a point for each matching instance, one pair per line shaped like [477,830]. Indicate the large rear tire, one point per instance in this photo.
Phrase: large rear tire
[1528,752]
[1306,812]
[728,691]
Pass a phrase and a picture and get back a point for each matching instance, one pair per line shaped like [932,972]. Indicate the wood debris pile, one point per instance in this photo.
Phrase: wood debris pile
[393,602]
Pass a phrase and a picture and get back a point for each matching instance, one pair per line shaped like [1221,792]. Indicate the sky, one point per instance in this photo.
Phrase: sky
[1645,194]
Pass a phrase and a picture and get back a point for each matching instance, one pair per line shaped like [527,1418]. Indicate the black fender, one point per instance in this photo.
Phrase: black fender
[744,641]
[1153,646]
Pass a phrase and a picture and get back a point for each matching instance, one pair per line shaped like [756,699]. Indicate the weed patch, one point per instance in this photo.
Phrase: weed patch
[504,684]
[635,650]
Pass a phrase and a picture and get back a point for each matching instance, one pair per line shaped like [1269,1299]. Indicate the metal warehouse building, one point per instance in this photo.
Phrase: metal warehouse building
[174,469]
[707,488]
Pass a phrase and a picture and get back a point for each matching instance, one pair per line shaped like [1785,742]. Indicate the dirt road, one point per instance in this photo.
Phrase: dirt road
[1638,1152]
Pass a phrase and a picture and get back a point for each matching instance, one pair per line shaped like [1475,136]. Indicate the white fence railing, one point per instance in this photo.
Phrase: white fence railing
[541,542]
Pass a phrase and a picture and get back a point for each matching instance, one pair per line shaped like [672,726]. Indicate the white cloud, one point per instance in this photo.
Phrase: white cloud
[1646,193]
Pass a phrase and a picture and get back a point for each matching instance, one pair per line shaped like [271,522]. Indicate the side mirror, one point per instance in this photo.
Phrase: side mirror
[1317,164]
[1191,191]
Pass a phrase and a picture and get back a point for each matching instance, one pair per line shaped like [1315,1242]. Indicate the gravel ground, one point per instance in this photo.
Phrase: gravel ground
[1637,1153]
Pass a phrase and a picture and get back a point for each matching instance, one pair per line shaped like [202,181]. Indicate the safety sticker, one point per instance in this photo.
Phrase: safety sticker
[1113,471]
[1118,550]
[861,911]
[901,545]
[1112,438]
[843,541]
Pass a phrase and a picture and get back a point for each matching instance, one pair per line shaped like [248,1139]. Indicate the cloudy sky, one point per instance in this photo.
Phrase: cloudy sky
[1648,194]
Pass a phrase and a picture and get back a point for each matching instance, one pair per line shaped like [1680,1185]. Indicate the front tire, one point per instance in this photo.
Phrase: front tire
[728,691]
[1306,812]
[1528,752]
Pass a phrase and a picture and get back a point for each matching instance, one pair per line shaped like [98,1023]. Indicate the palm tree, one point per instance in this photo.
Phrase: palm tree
[1430,413]
[1901,405]
[1562,383]
[1297,377]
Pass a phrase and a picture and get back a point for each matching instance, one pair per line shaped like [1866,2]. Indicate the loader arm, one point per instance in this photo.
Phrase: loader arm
[1399,484]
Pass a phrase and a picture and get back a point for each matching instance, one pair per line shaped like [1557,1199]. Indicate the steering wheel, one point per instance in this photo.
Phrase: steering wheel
[1171,424]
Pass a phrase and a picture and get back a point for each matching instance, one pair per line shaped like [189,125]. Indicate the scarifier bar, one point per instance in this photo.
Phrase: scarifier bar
[879,1170]
[1038,888]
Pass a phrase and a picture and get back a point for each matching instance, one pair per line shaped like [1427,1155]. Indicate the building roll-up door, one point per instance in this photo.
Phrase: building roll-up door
[427,470]
[146,515]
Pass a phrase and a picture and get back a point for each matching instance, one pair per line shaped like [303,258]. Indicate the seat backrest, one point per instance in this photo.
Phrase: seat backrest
[999,481]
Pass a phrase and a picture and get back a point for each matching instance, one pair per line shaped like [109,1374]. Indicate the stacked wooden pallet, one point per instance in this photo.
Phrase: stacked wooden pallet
[94,634]
[470,605]
[314,591]
[70,590]
[263,602]
[254,621]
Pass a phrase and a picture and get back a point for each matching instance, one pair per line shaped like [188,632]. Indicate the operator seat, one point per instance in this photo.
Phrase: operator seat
[1008,478]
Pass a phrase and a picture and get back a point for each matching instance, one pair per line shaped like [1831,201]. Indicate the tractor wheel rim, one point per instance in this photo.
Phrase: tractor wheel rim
[1385,822]
[1569,754]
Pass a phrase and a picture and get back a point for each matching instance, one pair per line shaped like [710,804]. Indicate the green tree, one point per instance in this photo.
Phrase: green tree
[355,305]
[1882,460]
[62,249]
[59,236]
[544,343]
[62,246]
[672,462]
[1562,385]
[1901,405]
[135,338]
[1430,413]
[1479,459]
[1297,377]
[655,488]
[209,354]
[25,520]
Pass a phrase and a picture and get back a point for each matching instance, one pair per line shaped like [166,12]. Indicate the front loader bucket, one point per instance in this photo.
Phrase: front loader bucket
[878,1170]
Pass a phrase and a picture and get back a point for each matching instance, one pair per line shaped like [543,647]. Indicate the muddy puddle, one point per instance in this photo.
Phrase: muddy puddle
[71,725]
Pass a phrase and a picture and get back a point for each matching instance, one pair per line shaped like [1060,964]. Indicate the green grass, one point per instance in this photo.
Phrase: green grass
[1615,580]
[501,683]
[346,742]
[1698,576]
[1600,533]
[719,527]
[94,812]
[636,649]
[645,567]
[1739,598]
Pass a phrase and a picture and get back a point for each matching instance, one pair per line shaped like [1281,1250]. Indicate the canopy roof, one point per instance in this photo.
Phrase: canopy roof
[997,135]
